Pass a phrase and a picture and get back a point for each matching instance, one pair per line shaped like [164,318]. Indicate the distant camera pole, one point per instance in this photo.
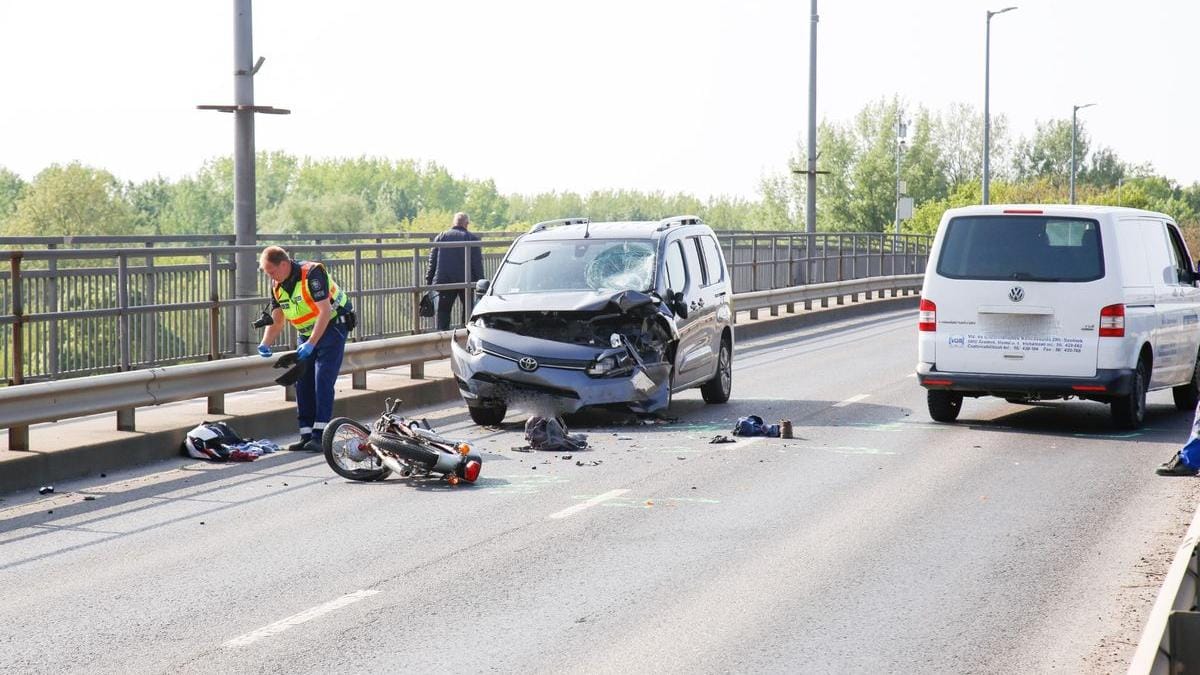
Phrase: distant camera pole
[1075,114]
[244,218]
[901,134]
[987,120]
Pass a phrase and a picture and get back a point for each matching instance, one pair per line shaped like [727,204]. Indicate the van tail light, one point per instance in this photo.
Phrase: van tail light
[927,316]
[1112,321]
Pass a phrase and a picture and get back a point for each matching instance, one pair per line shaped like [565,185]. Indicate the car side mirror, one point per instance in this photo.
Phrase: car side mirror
[677,304]
[482,286]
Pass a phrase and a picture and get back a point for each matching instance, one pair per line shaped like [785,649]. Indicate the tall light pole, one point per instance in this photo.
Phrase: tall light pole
[1074,113]
[987,120]
[810,210]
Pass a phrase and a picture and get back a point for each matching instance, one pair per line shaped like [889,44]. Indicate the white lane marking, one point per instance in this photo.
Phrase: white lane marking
[852,399]
[297,619]
[598,499]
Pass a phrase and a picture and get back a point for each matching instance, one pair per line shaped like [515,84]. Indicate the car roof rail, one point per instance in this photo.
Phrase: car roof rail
[557,223]
[679,220]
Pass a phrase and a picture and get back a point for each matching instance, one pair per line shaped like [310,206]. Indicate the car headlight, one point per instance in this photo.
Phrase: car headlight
[610,366]
[474,344]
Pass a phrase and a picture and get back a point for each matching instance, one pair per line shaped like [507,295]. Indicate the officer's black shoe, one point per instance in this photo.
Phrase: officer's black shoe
[1176,467]
[299,445]
[312,445]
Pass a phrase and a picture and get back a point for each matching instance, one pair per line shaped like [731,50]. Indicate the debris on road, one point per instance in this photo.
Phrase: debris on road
[722,438]
[550,433]
[568,456]
[753,425]
[46,489]
[594,462]
[89,498]
[785,428]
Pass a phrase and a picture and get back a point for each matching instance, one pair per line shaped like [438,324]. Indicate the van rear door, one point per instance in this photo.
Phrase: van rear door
[1019,295]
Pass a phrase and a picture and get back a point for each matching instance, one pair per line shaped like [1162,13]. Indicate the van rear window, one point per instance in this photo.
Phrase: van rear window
[1022,248]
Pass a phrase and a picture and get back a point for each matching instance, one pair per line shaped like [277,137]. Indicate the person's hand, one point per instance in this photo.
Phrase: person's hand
[264,351]
[305,350]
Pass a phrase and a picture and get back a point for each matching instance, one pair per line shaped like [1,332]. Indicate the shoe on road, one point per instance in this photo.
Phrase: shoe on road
[1175,467]
[312,445]
[299,445]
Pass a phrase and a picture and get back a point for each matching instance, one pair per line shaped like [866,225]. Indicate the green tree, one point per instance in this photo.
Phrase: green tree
[12,187]
[73,200]
[1048,153]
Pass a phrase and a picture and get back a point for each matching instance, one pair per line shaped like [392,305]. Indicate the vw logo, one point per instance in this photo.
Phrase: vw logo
[1016,294]
[528,364]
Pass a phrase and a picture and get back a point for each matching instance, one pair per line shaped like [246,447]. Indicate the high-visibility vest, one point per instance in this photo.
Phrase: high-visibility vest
[299,307]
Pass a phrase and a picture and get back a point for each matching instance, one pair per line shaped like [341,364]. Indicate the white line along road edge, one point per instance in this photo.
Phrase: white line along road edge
[572,510]
[297,619]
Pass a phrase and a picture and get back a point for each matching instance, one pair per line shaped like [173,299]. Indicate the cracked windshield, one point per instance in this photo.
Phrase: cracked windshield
[580,265]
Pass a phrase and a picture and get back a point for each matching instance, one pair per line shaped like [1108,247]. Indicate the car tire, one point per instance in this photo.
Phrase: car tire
[488,415]
[717,389]
[1187,395]
[944,406]
[1129,411]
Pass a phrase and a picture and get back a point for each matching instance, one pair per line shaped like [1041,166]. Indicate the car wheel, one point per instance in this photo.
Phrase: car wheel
[488,415]
[1129,411]
[717,389]
[1187,395]
[944,406]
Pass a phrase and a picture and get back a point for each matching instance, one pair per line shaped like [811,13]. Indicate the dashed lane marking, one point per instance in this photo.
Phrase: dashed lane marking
[598,499]
[297,619]
[852,399]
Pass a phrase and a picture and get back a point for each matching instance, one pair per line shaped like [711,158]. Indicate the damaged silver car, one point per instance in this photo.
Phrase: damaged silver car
[587,314]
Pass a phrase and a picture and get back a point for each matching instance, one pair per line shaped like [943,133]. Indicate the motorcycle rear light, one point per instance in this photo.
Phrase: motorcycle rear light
[927,316]
[471,471]
[1112,321]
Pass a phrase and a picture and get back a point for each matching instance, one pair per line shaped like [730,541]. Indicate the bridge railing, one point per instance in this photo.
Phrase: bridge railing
[83,311]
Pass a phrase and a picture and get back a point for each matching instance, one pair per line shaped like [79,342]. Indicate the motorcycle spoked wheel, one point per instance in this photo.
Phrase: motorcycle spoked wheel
[334,441]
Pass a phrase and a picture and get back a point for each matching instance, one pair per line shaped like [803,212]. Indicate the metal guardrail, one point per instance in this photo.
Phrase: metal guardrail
[76,312]
[40,402]
[1171,641]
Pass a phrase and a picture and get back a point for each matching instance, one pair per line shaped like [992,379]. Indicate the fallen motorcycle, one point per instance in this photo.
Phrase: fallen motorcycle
[396,445]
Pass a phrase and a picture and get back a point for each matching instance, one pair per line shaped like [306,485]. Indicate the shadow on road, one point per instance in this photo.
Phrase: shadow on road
[1084,419]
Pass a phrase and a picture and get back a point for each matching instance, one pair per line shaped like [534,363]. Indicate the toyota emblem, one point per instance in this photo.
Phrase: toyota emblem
[1016,294]
[528,364]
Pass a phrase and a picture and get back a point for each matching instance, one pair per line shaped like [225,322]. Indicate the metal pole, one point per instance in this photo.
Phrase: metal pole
[1074,114]
[245,227]
[987,121]
[810,211]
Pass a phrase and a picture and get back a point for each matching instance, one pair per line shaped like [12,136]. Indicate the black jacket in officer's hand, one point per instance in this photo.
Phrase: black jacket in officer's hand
[446,264]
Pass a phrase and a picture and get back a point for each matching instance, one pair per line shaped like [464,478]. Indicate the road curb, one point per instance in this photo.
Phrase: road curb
[44,468]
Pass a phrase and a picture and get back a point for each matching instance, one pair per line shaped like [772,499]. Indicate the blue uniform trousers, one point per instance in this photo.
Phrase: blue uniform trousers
[314,391]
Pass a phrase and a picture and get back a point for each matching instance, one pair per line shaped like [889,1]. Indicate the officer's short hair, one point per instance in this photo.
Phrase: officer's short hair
[274,255]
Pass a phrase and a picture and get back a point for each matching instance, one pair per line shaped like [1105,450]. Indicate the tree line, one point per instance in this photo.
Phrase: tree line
[940,164]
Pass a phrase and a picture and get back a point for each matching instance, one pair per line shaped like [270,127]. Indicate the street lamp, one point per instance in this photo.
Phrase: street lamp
[987,122]
[1074,112]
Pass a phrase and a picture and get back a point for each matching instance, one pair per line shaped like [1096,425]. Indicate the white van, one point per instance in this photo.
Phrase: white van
[1046,302]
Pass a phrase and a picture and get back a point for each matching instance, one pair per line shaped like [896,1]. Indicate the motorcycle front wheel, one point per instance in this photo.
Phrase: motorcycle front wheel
[340,441]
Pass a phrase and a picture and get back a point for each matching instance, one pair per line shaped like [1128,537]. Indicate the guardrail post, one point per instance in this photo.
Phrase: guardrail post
[754,268]
[18,437]
[379,300]
[416,371]
[149,320]
[52,306]
[125,416]
[216,402]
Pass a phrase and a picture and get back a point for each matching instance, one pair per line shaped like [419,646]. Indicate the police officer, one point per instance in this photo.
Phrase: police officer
[307,296]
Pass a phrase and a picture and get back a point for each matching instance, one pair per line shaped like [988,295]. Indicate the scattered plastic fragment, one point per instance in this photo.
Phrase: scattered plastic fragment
[722,438]
[89,498]
[104,475]
[567,456]
[680,457]
[46,489]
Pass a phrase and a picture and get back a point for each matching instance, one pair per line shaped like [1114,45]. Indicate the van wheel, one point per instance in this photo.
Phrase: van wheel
[488,415]
[943,405]
[718,388]
[1129,411]
[1187,395]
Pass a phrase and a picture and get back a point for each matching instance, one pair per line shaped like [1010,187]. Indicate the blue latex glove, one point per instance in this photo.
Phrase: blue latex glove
[305,350]
[264,351]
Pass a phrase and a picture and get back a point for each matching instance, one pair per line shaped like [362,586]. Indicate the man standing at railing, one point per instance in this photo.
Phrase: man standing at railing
[447,266]
[307,296]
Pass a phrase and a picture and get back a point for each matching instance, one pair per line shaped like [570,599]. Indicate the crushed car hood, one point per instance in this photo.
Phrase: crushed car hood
[572,301]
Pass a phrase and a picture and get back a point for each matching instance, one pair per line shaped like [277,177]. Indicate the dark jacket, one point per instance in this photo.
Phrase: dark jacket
[446,264]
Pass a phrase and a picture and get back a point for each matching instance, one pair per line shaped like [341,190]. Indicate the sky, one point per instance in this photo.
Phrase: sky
[696,96]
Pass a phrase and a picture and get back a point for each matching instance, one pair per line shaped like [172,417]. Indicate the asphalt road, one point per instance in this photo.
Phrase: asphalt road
[1022,539]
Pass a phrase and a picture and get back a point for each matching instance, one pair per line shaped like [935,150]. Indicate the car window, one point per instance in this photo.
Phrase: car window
[691,254]
[712,259]
[1022,248]
[577,265]
[676,277]
[1183,266]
